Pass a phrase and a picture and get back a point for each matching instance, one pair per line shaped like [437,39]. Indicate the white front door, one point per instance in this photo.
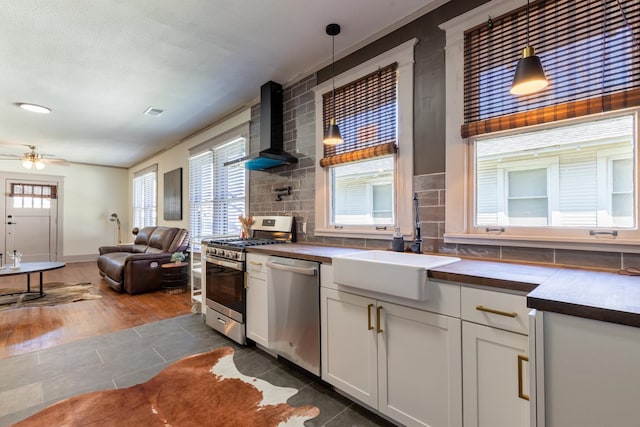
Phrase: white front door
[31,220]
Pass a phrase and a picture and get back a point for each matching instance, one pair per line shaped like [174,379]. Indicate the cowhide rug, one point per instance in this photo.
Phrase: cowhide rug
[201,390]
[55,293]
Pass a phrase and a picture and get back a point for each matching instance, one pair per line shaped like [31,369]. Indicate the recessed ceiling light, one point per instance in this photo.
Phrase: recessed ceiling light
[34,108]
[153,111]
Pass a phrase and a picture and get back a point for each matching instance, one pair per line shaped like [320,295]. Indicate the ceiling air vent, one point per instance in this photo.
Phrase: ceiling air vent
[153,111]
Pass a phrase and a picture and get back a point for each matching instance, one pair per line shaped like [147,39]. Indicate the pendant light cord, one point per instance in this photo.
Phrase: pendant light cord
[527,22]
[333,75]
[626,23]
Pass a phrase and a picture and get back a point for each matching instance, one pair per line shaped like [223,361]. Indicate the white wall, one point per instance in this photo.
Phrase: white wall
[178,157]
[89,194]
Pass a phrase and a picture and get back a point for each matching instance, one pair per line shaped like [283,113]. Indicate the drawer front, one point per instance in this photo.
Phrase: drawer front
[495,309]
[257,266]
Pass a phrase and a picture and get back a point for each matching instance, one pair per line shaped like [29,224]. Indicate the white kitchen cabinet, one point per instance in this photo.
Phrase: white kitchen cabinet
[496,378]
[349,350]
[257,322]
[495,359]
[401,361]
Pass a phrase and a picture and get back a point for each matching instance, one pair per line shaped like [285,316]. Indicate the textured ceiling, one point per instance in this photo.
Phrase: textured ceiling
[100,64]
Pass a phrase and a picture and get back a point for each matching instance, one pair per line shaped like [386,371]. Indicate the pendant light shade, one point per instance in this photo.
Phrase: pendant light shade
[332,135]
[529,77]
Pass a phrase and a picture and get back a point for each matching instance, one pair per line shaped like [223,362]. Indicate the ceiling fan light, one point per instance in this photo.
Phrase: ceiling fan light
[332,135]
[39,164]
[28,164]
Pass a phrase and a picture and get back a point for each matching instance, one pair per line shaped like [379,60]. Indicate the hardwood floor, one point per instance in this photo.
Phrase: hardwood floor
[29,329]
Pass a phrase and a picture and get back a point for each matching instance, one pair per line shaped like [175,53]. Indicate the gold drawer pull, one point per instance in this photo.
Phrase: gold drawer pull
[494,311]
[369,325]
[521,395]
[378,319]
[255,263]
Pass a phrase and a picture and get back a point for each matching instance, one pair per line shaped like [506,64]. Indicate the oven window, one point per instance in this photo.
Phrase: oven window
[225,286]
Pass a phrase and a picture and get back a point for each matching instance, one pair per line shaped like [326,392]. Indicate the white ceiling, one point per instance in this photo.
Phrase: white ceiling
[100,64]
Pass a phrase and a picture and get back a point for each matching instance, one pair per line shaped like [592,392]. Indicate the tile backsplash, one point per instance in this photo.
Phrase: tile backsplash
[299,139]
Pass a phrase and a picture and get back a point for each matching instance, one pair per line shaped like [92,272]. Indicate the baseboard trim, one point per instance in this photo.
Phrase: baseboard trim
[79,258]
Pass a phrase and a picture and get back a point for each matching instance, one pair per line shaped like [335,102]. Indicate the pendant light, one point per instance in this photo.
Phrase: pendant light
[332,135]
[529,77]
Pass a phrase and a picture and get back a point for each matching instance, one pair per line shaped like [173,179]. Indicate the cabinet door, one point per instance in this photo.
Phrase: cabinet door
[496,377]
[419,359]
[349,360]
[257,301]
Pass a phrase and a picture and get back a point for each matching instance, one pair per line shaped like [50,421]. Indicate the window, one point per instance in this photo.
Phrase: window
[556,168]
[33,196]
[364,186]
[564,176]
[229,188]
[588,50]
[217,193]
[363,192]
[144,197]
[200,196]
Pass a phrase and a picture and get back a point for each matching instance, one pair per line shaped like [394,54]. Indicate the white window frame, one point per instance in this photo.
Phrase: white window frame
[459,158]
[141,175]
[403,164]
[196,204]
[239,132]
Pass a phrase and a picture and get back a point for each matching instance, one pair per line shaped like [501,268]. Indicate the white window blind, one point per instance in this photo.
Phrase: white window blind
[144,199]
[229,188]
[201,196]
[217,194]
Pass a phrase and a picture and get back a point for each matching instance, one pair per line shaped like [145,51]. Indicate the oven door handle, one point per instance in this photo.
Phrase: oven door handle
[307,271]
[223,263]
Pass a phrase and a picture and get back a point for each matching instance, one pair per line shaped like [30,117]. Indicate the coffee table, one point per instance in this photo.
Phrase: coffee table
[28,268]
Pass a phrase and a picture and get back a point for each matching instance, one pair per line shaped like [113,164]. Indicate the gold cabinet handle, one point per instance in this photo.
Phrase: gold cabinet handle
[369,325]
[521,395]
[255,263]
[494,311]
[378,310]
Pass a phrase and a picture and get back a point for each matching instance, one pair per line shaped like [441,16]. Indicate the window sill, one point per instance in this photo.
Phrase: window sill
[600,244]
[354,234]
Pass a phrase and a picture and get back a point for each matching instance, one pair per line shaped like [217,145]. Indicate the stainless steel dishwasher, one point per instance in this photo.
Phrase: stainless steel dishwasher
[294,311]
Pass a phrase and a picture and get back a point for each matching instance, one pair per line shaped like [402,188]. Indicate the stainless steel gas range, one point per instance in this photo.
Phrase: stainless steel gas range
[224,270]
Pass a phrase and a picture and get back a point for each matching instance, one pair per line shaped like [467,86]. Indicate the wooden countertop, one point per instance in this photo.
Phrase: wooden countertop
[516,277]
[316,253]
[605,296]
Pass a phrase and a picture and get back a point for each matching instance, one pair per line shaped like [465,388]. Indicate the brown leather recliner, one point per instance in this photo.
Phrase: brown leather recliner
[136,268]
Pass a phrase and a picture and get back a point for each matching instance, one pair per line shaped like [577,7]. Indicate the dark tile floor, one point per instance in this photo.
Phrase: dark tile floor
[32,381]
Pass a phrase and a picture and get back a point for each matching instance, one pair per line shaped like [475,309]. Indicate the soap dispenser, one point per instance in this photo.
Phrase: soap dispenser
[398,241]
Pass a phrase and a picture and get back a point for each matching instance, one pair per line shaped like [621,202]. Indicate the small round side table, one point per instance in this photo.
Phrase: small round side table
[174,276]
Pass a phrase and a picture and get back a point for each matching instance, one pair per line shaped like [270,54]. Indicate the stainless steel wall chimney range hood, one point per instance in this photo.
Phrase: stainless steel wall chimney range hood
[271,152]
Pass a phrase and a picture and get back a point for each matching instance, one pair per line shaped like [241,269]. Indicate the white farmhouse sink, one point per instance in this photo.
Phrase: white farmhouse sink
[392,273]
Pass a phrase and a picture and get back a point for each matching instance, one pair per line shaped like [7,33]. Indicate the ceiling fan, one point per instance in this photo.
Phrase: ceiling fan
[33,159]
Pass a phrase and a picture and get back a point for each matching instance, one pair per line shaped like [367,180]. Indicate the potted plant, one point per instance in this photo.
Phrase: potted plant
[178,257]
